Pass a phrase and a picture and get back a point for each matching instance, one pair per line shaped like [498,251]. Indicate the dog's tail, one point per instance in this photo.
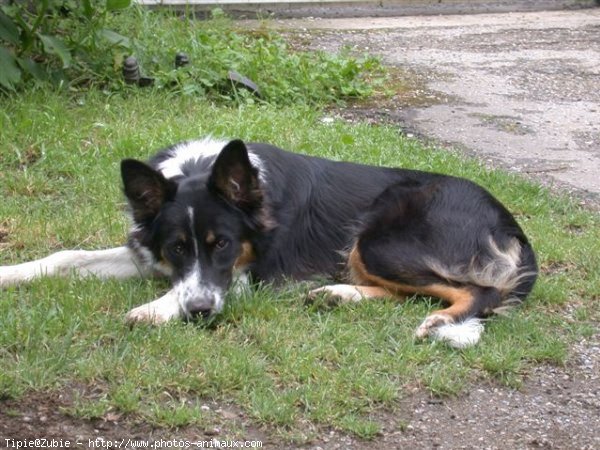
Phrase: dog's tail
[499,278]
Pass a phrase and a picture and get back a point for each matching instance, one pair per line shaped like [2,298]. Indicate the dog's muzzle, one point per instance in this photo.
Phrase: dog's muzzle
[202,307]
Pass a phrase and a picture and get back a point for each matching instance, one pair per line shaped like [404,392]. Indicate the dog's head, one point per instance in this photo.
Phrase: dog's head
[200,227]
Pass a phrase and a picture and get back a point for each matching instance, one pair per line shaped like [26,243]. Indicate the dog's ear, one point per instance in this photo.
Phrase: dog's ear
[145,188]
[235,178]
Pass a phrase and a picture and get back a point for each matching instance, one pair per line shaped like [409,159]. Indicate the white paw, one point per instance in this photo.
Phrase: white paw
[338,293]
[157,312]
[431,323]
[440,327]
[9,276]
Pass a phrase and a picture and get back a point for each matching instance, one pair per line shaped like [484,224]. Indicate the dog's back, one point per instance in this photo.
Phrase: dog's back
[401,230]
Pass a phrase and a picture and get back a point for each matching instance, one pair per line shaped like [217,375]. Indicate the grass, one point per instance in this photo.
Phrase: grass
[288,366]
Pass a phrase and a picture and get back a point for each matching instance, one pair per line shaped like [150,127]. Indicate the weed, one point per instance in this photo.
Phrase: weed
[56,40]
[91,45]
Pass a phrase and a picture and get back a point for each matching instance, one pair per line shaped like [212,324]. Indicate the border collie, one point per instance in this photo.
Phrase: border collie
[207,213]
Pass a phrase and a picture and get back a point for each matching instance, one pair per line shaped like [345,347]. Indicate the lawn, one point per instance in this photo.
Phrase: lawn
[288,366]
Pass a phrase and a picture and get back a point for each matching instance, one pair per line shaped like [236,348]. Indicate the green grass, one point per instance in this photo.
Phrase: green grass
[288,366]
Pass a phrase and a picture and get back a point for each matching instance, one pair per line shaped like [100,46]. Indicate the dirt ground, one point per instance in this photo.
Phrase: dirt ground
[557,408]
[517,90]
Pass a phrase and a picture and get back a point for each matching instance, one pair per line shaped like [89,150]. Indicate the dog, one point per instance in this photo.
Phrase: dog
[210,214]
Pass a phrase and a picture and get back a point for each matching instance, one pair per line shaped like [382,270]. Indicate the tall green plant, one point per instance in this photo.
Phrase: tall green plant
[77,43]
[45,39]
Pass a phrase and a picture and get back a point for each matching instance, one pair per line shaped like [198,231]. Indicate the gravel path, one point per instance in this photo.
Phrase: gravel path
[521,90]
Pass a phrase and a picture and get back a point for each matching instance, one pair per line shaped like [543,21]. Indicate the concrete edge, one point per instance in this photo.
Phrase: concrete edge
[382,8]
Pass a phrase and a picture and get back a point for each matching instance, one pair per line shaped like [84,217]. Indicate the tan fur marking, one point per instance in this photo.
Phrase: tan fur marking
[246,256]
[164,261]
[360,276]
[210,238]
[460,298]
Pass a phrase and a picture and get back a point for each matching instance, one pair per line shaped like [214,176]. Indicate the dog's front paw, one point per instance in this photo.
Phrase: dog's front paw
[9,276]
[157,312]
[336,294]
[147,314]
[431,323]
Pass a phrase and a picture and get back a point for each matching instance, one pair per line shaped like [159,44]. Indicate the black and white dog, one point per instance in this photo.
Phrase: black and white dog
[208,212]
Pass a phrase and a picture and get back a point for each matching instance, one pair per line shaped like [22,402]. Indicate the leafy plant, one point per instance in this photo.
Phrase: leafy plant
[44,40]
[285,75]
[83,43]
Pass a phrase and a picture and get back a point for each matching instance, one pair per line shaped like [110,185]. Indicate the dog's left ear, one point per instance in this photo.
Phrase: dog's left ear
[235,178]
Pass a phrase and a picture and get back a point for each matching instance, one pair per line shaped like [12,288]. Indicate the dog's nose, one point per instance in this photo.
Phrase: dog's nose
[200,312]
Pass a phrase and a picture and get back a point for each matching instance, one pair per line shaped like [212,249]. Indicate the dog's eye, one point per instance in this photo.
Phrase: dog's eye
[221,244]
[178,249]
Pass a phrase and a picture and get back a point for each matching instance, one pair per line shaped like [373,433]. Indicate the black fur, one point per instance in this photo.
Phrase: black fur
[310,211]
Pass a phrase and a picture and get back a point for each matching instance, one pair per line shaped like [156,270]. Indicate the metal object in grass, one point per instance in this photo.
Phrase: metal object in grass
[131,70]
[181,60]
[239,81]
[132,73]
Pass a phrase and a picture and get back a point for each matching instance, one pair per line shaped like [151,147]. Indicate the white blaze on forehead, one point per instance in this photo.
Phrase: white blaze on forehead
[192,151]
[190,212]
